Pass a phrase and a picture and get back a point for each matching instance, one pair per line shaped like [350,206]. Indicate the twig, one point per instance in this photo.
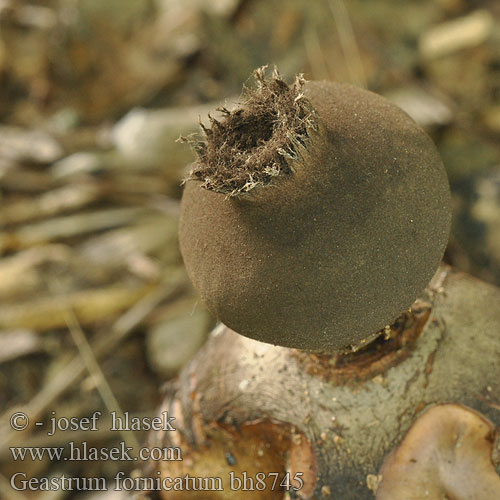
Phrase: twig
[348,41]
[95,371]
[75,368]
[315,54]
[90,305]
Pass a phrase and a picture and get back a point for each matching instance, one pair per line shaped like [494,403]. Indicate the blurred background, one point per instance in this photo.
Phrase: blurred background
[96,311]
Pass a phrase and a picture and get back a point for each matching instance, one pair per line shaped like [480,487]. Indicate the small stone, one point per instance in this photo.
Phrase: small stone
[242,386]
[452,36]
[337,439]
[325,491]
[175,340]
[150,135]
[426,109]
[77,163]
[18,144]
[16,343]
[372,482]
[491,118]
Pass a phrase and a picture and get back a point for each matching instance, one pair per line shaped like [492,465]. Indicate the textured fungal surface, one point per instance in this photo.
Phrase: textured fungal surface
[340,242]
[255,142]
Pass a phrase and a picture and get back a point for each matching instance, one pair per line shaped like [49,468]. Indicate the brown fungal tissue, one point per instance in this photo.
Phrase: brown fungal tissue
[314,214]
[446,454]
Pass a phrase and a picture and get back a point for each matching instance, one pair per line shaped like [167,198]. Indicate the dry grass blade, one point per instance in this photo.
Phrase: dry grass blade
[75,368]
[315,54]
[19,272]
[348,42]
[95,371]
[90,305]
[68,227]
[70,197]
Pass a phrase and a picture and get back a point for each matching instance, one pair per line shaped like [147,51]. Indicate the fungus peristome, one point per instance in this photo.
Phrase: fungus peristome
[446,454]
[314,215]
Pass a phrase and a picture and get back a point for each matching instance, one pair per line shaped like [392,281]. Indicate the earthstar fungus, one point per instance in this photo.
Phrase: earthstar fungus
[314,214]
